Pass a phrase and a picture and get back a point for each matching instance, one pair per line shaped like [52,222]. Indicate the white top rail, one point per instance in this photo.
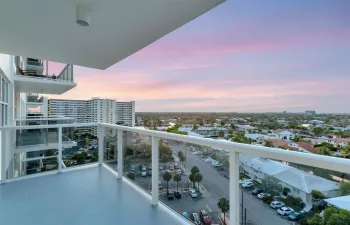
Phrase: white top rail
[320,161]
[48,126]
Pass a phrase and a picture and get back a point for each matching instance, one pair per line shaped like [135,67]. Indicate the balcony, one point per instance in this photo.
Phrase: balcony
[129,179]
[33,99]
[32,81]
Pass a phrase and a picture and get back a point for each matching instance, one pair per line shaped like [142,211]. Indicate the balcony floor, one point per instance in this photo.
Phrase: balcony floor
[81,197]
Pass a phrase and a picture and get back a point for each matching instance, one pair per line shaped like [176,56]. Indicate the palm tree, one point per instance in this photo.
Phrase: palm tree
[224,206]
[268,144]
[198,178]
[192,179]
[167,177]
[177,179]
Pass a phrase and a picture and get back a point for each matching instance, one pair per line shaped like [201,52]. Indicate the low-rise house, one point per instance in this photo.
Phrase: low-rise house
[306,147]
[299,182]
[211,131]
[342,202]
[286,135]
[245,127]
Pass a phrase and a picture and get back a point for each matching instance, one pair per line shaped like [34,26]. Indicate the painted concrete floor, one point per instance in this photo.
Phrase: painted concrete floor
[90,196]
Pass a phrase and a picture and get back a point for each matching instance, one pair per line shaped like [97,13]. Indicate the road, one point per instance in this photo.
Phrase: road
[218,186]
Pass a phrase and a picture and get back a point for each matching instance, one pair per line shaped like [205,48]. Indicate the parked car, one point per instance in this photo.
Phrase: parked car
[263,195]
[144,168]
[171,167]
[176,166]
[133,169]
[256,191]
[161,167]
[177,194]
[150,167]
[160,185]
[285,211]
[276,204]
[185,214]
[149,173]
[170,196]
[179,172]
[204,217]
[195,219]
[247,185]
[144,174]
[245,180]
[297,215]
[193,193]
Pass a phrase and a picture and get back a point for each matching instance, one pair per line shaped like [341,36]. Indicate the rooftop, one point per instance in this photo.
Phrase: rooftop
[86,196]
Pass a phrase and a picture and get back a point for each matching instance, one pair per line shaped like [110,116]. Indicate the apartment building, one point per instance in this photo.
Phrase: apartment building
[96,110]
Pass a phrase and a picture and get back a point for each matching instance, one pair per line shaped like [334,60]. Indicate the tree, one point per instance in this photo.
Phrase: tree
[344,188]
[233,127]
[224,206]
[317,131]
[181,156]
[198,178]
[177,179]
[49,152]
[328,212]
[317,195]
[127,163]
[315,220]
[131,176]
[268,144]
[195,127]
[221,133]
[271,185]
[345,151]
[164,159]
[222,123]
[192,179]
[323,151]
[194,170]
[167,177]
[94,158]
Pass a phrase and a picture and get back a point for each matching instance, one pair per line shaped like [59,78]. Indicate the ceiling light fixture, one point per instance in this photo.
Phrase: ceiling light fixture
[83,16]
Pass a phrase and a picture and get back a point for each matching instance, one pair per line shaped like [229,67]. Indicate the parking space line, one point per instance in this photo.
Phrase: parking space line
[208,208]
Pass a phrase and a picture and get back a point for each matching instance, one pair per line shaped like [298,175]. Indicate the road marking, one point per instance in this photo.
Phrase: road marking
[208,208]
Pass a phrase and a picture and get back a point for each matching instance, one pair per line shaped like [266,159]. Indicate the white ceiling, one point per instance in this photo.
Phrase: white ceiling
[46,29]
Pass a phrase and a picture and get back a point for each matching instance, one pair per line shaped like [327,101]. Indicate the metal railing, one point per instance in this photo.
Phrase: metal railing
[319,161]
[66,74]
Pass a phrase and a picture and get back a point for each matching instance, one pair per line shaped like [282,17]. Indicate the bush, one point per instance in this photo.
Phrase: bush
[303,222]
[317,195]
[267,200]
[286,191]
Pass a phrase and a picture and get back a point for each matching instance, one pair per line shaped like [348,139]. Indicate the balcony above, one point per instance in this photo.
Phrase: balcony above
[82,197]
[30,81]
[117,28]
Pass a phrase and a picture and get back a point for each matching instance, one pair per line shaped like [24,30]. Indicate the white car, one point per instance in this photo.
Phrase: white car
[276,204]
[263,195]
[144,168]
[133,169]
[285,211]
[193,193]
[245,180]
[179,172]
[144,174]
[248,184]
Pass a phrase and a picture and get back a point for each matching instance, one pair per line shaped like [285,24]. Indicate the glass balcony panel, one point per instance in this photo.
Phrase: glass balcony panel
[110,144]
[37,136]
[187,196]
[80,146]
[137,159]
[34,162]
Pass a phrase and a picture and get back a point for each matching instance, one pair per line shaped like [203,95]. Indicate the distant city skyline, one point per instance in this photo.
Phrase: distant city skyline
[243,56]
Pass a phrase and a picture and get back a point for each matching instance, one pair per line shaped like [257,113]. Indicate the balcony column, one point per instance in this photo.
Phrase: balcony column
[120,154]
[100,136]
[234,188]
[2,157]
[60,149]
[155,174]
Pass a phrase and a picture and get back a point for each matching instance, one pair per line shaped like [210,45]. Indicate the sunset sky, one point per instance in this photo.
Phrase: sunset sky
[243,56]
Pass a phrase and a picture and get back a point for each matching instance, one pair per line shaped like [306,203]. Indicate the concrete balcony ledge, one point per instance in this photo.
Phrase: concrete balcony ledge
[89,196]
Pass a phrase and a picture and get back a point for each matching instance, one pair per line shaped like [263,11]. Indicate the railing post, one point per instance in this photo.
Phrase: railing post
[234,188]
[120,154]
[100,136]
[60,149]
[155,178]
[2,157]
